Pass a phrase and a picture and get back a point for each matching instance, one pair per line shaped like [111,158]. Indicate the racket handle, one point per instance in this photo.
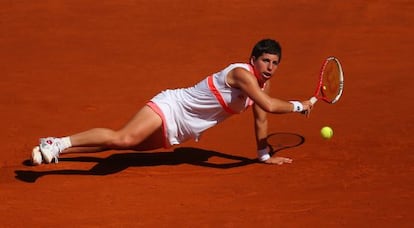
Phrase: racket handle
[313,100]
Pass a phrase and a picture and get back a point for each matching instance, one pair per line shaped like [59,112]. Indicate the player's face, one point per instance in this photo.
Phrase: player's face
[265,66]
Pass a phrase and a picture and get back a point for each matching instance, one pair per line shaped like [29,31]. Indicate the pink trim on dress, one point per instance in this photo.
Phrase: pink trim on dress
[251,68]
[157,110]
[218,96]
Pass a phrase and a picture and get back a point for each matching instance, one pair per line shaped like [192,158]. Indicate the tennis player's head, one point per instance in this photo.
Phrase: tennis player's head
[268,46]
[265,58]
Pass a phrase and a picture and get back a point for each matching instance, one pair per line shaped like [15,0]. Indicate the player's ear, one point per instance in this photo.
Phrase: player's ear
[252,59]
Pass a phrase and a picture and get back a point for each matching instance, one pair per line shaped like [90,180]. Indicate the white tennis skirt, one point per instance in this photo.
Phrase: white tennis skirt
[186,113]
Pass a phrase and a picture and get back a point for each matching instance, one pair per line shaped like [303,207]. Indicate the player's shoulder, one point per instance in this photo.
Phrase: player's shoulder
[240,75]
[241,70]
[245,66]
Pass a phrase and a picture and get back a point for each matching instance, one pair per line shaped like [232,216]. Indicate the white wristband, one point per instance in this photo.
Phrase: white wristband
[263,154]
[297,106]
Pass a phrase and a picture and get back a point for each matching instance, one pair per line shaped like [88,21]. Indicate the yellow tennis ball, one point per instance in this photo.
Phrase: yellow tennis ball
[326,132]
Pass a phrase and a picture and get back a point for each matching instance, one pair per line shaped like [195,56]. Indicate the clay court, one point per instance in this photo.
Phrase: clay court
[67,66]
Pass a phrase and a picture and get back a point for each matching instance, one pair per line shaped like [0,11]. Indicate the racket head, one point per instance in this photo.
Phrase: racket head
[331,81]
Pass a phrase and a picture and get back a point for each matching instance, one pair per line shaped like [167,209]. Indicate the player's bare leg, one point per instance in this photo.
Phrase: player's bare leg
[150,143]
[141,126]
[143,131]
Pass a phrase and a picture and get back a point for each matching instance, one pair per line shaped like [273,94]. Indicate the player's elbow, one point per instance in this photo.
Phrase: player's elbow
[261,122]
[267,107]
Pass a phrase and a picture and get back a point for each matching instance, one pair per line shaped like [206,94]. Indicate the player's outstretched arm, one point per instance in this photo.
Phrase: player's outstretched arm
[244,80]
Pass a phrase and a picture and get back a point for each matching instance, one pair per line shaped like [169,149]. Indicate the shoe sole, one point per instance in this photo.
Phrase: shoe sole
[36,156]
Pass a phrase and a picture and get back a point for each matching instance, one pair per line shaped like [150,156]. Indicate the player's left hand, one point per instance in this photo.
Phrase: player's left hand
[276,160]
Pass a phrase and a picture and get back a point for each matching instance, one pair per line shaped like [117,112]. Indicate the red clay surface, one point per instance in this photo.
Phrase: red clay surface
[67,66]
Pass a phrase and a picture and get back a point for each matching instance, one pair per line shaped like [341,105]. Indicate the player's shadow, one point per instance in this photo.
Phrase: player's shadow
[184,155]
[120,161]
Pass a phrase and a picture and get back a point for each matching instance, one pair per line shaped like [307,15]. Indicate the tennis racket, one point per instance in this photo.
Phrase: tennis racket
[331,82]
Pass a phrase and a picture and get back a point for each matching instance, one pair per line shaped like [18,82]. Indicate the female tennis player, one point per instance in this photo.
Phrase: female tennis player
[174,116]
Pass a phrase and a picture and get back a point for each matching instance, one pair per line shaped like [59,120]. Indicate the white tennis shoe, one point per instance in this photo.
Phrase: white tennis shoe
[50,149]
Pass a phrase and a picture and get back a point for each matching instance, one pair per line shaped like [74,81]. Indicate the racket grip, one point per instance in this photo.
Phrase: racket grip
[313,100]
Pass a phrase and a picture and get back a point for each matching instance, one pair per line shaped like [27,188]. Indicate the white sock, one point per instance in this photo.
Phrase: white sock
[64,143]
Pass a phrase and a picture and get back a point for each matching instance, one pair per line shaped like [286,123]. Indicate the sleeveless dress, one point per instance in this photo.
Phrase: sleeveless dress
[187,112]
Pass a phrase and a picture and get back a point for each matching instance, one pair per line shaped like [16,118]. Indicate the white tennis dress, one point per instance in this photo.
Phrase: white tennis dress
[187,112]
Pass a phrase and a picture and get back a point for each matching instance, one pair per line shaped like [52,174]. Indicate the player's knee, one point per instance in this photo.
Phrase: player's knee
[124,141]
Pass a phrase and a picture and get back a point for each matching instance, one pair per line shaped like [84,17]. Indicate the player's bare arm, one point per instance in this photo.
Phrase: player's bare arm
[244,80]
[261,130]
[261,124]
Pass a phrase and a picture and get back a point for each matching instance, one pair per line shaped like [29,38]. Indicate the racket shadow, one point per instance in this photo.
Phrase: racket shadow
[284,140]
[118,162]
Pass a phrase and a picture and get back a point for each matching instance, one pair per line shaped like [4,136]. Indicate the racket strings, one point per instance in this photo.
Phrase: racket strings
[331,80]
